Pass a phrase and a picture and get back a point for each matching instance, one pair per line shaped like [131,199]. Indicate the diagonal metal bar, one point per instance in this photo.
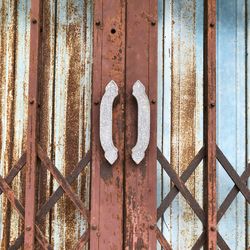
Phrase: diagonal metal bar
[55,196]
[181,186]
[202,240]
[222,210]
[20,210]
[184,177]
[163,242]
[82,241]
[233,174]
[15,170]
[60,191]
[232,194]
[62,182]
[221,243]
[191,201]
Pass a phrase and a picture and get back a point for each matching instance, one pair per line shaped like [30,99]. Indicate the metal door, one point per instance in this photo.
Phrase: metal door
[124,124]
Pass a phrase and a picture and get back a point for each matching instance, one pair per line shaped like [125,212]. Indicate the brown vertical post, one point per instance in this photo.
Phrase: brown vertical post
[141,64]
[30,194]
[106,223]
[210,120]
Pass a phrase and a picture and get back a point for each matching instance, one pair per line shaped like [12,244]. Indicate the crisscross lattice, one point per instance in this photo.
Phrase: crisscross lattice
[240,186]
[48,205]
[179,186]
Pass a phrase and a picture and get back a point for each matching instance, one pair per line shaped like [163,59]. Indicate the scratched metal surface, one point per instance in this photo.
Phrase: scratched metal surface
[232,101]
[14,51]
[180,125]
[65,102]
[180,111]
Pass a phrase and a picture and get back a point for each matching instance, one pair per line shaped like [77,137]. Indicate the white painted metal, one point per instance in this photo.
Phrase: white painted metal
[143,129]
[106,120]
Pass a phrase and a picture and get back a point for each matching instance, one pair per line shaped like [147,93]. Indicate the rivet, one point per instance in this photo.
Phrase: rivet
[211,25]
[98,23]
[98,234]
[93,227]
[153,101]
[96,102]
[213,228]
[152,226]
[32,101]
[153,23]
[34,21]
[212,104]
[28,228]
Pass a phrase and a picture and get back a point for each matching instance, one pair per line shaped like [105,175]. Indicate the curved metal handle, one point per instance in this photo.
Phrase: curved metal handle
[138,151]
[106,108]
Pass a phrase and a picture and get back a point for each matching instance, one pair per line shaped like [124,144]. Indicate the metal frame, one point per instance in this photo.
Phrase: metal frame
[107,181]
[134,225]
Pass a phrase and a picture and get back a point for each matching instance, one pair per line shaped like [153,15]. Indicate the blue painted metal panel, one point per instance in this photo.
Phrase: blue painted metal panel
[65,103]
[180,111]
[231,112]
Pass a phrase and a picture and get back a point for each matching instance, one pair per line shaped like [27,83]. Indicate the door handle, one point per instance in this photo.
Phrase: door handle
[143,135]
[106,118]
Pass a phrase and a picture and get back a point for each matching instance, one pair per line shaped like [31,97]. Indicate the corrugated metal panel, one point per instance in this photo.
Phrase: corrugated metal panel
[67,53]
[14,63]
[231,112]
[65,102]
[180,111]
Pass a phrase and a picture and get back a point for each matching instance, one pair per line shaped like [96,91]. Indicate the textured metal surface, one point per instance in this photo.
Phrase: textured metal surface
[180,113]
[233,114]
[107,182]
[210,194]
[143,127]
[32,129]
[180,116]
[106,120]
[140,186]
[64,108]
[14,64]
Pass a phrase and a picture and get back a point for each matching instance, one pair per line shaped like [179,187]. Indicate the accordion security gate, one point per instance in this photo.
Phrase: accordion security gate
[122,212]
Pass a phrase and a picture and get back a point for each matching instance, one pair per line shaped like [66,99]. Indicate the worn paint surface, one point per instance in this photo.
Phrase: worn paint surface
[232,101]
[14,63]
[65,102]
[180,111]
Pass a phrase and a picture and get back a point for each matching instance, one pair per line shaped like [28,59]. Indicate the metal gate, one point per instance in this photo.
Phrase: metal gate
[110,137]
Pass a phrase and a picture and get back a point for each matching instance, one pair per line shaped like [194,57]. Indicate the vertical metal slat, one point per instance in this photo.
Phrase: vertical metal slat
[30,197]
[210,120]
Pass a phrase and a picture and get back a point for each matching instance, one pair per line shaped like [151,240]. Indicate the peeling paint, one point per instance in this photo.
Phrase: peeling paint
[64,109]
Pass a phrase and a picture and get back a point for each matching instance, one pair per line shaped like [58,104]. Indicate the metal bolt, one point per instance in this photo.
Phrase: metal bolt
[34,21]
[152,226]
[212,105]
[213,228]
[211,25]
[93,227]
[28,228]
[153,23]
[153,101]
[98,23]
[32,101]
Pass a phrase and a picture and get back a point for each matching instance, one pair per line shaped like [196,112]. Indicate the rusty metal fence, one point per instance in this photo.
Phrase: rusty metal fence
[49,141]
